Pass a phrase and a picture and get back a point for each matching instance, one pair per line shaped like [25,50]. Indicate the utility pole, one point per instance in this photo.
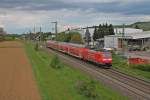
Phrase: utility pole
[40,29]
[56,28]
[34,29]
[123,31]
[34,33]
[40,34]
[123,36]
[30,34]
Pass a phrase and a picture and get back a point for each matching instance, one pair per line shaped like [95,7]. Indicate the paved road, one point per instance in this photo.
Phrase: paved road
[16,78]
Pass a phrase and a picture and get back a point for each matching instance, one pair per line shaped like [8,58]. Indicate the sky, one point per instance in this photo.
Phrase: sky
[20,16]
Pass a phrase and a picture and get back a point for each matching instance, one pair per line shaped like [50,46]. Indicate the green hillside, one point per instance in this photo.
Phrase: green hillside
[141,25]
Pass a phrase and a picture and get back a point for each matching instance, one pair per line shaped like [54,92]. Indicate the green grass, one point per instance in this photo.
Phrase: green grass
[7,38]
[141,71]
[60,84]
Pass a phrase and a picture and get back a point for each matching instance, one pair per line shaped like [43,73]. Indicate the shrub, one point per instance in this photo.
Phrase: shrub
[119,61]
[87,88]
[55,62]
[141,67]
[36,48]
[2,38]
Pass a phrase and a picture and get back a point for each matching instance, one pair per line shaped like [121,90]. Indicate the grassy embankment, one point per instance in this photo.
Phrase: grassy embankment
[7,38]
[61,84]
[141,71]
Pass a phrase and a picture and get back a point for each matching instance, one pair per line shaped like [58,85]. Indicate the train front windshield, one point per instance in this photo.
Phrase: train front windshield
[107,55]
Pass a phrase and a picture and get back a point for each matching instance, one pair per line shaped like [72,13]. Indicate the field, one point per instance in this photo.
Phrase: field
[16,79]
[60,84]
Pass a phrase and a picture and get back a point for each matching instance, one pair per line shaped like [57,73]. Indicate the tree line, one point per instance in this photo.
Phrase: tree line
[8,37]
[40,36]
[99,32]
[73,37]
[102,30]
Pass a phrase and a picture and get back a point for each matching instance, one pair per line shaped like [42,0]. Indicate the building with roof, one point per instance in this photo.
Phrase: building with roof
[118,31]
[131,37]
[140,39]
[127,30]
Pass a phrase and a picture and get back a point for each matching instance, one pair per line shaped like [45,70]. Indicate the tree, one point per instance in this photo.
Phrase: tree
[61,37]
[111,30]
[95,34]
[68,29]
[106,31]
[68,37]
[87,36]
[76,38]
[100,31]
[103,30]
[137,27]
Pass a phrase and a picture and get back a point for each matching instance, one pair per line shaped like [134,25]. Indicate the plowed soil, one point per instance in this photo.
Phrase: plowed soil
[17,81]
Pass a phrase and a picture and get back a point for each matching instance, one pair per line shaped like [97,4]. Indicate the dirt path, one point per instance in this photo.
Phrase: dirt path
[16,78]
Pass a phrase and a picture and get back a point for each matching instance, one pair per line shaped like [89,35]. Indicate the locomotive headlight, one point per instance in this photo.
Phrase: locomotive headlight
[107,60]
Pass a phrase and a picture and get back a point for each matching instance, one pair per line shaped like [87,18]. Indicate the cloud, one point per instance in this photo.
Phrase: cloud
[21,15]
[24,21]
[109,6]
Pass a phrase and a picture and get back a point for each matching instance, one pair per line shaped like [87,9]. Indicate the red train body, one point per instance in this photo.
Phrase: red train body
[102,58]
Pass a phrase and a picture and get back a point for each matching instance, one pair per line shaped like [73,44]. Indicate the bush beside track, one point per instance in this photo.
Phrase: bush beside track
[65,83]
[140,71]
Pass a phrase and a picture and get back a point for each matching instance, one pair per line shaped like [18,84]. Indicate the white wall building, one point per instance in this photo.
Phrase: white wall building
[127,30]
[137,38]
[118,31]
[131,36]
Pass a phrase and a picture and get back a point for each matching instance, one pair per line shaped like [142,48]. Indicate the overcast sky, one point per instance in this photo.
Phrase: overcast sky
[18,16]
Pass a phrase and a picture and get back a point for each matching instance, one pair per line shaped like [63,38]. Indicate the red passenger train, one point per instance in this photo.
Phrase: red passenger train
[98,57]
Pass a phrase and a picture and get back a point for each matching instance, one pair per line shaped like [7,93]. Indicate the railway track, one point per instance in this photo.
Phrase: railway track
[134,88]
[138,86]
[135,80]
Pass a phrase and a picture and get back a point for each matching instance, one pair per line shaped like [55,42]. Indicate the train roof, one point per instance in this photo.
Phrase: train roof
[66,43]
[72,44]
[77,45]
